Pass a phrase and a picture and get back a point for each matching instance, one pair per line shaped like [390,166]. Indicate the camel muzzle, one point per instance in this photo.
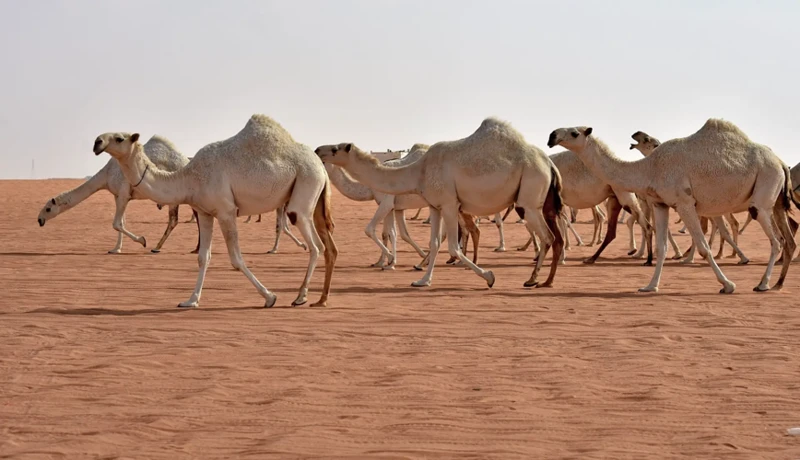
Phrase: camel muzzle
[633,146]
[551,142]
[41,222]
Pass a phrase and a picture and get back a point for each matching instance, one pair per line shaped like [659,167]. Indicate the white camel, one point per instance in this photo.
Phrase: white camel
[161,152]
[259,169]
[481,174]
[715,171]
[645,144]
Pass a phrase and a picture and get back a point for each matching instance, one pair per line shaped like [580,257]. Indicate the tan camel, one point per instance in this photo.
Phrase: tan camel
[481,174]
[161,152]
[715,171]
[645,144]
[257,170]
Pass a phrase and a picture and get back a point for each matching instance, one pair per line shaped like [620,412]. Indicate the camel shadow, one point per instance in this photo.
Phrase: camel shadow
[99,311]
[43,254]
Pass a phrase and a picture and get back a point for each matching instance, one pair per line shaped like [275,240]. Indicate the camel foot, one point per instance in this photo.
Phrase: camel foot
[155,251]
[632,252]
[761,288]
[686,262]
[743,262]
[589,261]
[500,249]
[195,251]
[530,283]
[489,277]
[115,251]
[321,303]
[272,251]
[188,304]
[545,285]
[418,268]
[648,263]
[452,260]
[777,287]
[677,256]
[142,241]
[732,256]
[682,231]
[388,267]
[270,300]
[729,288]
[522,248]
[649,289]
[303,245]
[298,301]
[421,283]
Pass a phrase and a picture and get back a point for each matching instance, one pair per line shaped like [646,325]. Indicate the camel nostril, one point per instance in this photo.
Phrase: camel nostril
[41,222]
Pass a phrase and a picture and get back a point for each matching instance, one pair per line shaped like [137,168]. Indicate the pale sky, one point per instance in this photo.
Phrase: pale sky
[386,74]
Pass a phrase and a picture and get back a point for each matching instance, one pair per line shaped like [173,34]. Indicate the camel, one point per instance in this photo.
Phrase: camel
[161,152]
[645,144]
[481,174]
[259,169]
[715,171]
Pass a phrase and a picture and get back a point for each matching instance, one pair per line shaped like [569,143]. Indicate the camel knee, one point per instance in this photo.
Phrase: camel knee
[203,258]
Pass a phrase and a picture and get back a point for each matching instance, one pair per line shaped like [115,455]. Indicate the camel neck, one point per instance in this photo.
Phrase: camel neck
[75,196]
[630,176]
[393,181]
[348,187]
[164,187]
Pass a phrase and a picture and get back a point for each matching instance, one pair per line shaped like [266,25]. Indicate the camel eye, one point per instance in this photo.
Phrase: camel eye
[574,134]
[333,151]
[119,139]
[48,209]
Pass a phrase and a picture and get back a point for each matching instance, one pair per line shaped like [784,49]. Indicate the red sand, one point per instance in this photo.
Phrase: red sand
[96,361]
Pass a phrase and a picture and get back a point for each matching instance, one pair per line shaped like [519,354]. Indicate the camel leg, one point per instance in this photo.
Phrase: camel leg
[427,258]
[735,233]
[122,204]
[579,241]
[689,258]
[279,213]
[384,209]
[392,233]
[171,224]
[498,221]
[205,224]
[416,216]
[661,218]
[450,217]
[247,221]
[693,225]
[435,217]
[400,220]
[563,222]
[561,227]
[118,248]
[228,226]
[259,219]
[305,224]
[471,230]
[197,223]
[331,252]
[285,228]
[765,219]
[787,232]
[546,227]
[611,233]
[573,215]
[726,236]
[678,254]
[385,239]
[746,223]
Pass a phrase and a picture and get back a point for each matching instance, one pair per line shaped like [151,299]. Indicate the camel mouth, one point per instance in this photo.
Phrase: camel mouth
[552,141]
[633,146]
[41,222]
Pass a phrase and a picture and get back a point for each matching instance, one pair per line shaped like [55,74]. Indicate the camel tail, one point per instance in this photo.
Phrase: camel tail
[788,196]
[324,207]
[553,202]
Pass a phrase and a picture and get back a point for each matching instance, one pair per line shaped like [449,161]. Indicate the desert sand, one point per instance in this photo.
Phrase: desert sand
[96,361]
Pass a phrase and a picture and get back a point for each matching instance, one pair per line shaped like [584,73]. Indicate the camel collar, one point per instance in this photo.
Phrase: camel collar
[143,174]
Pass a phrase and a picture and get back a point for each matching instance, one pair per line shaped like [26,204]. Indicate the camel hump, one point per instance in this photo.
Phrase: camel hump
[725,126]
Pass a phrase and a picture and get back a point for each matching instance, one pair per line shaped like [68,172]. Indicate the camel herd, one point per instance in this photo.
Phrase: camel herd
[705,177]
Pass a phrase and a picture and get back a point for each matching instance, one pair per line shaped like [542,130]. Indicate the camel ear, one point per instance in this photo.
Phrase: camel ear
[53,201]
[348,147]
[587,132]
[134,137]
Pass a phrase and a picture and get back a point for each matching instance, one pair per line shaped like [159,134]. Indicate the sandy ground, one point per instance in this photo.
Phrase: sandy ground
[96,361]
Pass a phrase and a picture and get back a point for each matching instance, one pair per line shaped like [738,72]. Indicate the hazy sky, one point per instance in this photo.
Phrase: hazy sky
[386,74]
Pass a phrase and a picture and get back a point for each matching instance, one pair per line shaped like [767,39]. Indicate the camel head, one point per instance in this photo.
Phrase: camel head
[338,155]
[49,211]
[118,145]
[570,138]
[644,143]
